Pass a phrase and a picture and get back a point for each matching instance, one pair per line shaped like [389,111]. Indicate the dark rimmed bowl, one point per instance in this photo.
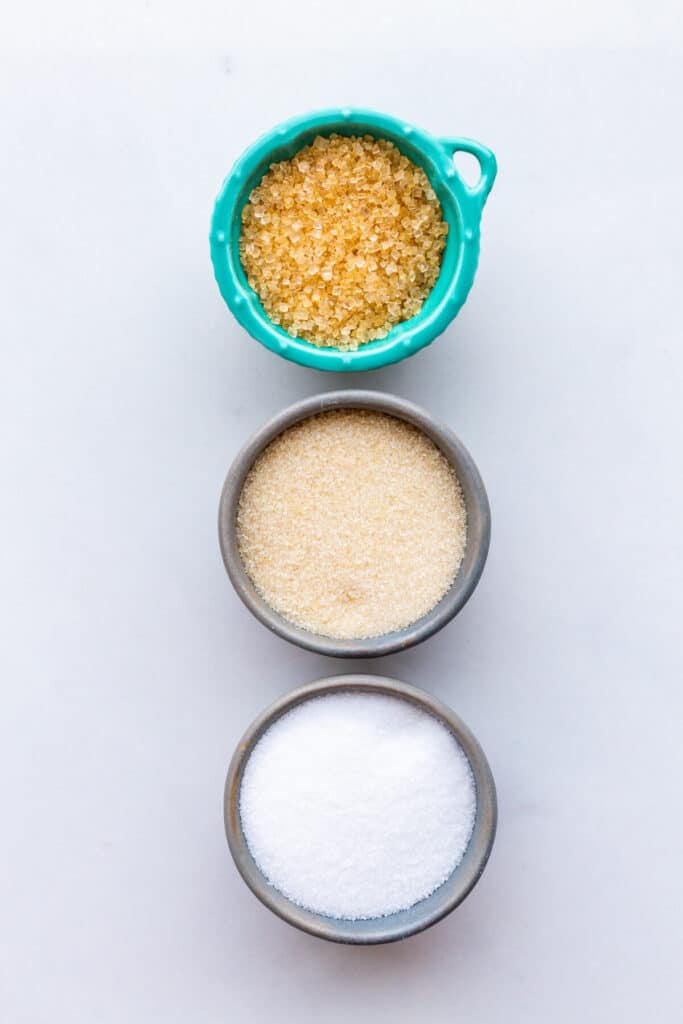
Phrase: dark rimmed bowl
[405,922]
[478,525]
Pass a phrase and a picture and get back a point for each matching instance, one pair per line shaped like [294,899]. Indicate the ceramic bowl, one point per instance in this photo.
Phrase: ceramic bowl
[462,205]
[405,922]
[478,525]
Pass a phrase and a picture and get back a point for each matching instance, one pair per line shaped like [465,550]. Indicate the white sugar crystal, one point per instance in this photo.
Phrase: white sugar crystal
[357,805]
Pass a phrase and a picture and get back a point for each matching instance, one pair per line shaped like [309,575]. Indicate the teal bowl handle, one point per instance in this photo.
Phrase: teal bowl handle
[487,165]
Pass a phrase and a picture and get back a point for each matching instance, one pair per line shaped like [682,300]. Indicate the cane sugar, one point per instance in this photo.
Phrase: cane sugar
[352,524]
[343,241]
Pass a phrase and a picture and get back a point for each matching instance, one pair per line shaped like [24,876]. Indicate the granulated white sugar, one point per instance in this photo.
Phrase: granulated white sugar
[352,524]
[357,805]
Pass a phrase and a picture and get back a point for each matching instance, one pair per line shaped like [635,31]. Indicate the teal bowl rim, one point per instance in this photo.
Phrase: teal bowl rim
[449,895]
[462,205]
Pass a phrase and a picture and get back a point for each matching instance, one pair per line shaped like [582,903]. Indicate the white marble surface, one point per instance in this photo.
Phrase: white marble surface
[130,669]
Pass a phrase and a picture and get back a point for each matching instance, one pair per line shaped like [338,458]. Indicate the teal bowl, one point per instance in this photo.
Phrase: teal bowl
[461,203]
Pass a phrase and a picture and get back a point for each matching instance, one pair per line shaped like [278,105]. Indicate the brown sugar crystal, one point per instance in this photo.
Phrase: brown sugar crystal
[343,241]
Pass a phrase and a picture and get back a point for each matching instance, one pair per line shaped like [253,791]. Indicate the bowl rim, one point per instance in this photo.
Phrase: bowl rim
[403,923]
[478,524]
[462,206]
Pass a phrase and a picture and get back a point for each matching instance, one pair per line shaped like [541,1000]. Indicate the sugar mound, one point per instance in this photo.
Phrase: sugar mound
[343,241]
[352,524]
[357,805]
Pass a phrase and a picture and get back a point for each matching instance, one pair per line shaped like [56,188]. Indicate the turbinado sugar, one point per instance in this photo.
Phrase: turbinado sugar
[343,241]
[357,805]
[352,524]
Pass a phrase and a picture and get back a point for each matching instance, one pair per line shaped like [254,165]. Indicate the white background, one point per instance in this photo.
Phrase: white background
[129,667]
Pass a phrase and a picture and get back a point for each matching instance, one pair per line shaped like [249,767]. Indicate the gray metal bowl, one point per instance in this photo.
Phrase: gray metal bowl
[405,922]
[478,525]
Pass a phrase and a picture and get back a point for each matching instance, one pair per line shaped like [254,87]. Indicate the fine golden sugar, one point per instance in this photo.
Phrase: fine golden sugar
[352,524]
[343,241]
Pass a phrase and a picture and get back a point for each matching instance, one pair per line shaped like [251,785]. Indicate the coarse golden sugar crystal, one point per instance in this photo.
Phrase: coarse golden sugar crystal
[352,524]
[343,241]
